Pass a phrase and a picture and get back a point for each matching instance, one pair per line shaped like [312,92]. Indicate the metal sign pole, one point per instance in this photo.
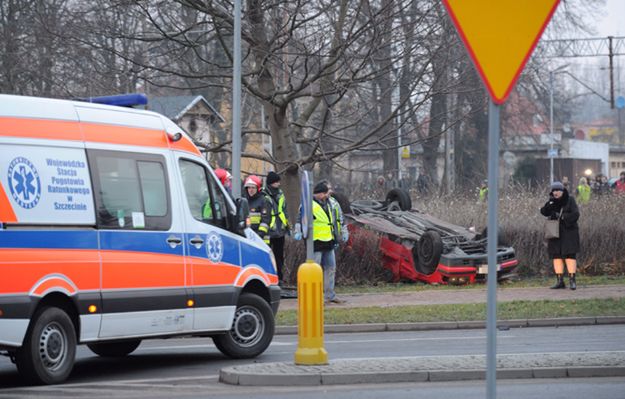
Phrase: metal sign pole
[236,102]
[493,197]
[306,187]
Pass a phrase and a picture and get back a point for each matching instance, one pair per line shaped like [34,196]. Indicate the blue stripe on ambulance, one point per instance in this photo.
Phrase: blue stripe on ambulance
[54,239]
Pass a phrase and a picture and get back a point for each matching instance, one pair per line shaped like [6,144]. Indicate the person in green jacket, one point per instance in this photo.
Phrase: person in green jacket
[583,191]
[483,192]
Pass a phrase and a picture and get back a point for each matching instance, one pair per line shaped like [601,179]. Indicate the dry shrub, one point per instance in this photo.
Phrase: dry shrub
[359,262]
[602,233]
[602,228]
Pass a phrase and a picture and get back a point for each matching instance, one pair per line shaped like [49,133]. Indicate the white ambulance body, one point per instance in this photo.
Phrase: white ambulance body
[114,229]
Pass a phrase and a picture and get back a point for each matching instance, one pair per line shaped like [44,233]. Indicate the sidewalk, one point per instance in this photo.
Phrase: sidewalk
[443,368]
[469,295]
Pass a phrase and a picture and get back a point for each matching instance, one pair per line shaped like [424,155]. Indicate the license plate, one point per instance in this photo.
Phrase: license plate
[483,269]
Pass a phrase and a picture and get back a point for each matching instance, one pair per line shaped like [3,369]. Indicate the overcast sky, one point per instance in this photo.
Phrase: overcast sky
[613,22]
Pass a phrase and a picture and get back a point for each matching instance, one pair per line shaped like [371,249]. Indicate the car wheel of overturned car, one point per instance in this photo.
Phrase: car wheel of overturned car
[252,329]
[47,355]
[114,349]
[429,250]
[398,197]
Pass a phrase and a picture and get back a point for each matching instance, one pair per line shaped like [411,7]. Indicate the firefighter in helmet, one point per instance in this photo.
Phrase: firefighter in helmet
[260,207]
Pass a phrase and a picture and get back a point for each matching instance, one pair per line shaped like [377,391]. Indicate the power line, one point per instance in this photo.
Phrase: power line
[574,48]
[610,46]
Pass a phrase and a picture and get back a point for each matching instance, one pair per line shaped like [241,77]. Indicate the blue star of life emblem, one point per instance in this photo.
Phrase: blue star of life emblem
[24,183]
[214,247]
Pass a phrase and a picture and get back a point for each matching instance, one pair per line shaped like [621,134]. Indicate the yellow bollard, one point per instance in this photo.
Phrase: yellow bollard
[310,348]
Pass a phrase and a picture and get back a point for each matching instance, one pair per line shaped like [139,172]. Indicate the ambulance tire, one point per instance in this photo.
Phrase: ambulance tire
[252,329]
[49,349]
[114,349]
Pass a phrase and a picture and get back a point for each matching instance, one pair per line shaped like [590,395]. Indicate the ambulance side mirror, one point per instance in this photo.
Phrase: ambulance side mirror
[242,214]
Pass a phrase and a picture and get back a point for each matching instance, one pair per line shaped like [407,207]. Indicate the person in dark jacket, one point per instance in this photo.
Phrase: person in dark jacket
[279,222]
[561,206]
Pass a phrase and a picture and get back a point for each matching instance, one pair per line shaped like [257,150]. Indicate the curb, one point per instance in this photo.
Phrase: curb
[426,369]
[454,325]
[384,377]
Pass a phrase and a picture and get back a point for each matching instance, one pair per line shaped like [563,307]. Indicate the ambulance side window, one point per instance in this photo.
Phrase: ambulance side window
[131,190]
[206,202]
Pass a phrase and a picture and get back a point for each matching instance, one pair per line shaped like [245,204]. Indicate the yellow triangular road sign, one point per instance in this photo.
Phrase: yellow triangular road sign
[500,36]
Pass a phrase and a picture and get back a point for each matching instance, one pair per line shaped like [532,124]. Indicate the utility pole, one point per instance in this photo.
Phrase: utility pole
[236,102]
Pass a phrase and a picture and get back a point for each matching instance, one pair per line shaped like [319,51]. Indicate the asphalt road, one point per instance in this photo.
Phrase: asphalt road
[188,367]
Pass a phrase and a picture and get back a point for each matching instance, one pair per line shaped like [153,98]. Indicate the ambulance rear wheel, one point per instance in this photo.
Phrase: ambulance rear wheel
[114,349]
[48,353]
[252,329]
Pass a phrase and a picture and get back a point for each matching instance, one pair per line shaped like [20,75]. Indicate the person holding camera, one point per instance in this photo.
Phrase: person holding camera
[563,250]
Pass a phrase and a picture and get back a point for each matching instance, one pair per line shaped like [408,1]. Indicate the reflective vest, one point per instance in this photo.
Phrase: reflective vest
[483,194]
[583,193]
[337,215]
[323,223]
[207,210]
[260,216]
[278,212]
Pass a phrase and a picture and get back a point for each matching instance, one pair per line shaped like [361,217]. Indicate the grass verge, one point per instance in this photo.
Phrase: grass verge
[512,283]
[465,312]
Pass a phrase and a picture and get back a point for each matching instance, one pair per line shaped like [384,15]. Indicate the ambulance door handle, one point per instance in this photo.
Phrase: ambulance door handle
[197,242]
[174,241]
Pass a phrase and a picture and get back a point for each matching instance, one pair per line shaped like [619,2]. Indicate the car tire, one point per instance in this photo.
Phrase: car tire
[429,250]
[398,197]
[114,349]
[49,349]
[252,329]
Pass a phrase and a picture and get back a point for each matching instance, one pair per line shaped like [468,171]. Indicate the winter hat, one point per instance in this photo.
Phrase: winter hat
[272,177]
[320,188]
[556,185]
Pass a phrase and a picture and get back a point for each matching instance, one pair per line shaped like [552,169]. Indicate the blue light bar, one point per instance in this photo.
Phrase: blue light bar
[121,100]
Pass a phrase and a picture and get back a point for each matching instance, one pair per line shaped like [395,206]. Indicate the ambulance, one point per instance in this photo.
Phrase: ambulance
[114,229]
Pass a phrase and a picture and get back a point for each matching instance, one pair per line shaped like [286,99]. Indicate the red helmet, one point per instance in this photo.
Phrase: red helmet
[222,175]
[253,181]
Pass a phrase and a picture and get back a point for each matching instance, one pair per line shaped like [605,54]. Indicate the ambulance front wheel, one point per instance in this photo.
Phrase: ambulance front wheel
[48,352]
[252,329]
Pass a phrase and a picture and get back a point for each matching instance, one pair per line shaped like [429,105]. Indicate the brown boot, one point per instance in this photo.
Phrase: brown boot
[559,282]
[572,283]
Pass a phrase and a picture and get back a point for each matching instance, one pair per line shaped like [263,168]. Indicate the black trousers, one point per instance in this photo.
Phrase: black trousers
[277,246]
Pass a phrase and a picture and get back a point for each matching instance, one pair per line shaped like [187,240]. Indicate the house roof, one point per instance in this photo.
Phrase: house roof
[174,107]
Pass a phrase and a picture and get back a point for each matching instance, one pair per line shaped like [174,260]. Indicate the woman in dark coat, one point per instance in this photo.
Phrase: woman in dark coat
[563,250]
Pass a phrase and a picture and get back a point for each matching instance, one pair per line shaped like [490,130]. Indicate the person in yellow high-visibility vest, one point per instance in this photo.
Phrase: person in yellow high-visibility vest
[324,239]
[279,226]
[260,208]
[341,234]
[583,191]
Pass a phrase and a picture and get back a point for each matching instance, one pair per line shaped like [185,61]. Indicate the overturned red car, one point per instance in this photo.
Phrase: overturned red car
[419,247]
